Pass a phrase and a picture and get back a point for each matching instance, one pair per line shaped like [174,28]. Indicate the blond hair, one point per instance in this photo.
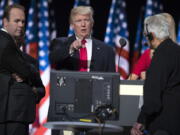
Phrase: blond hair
[81,10]
[171,26]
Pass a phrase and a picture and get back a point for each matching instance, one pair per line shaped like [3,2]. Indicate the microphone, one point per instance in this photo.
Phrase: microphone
[122,42]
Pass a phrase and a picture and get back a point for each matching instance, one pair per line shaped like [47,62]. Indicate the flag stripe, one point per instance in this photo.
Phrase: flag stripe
[41,130]
[123,53]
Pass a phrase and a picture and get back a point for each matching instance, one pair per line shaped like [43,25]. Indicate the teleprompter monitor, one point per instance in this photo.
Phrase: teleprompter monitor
[76,96]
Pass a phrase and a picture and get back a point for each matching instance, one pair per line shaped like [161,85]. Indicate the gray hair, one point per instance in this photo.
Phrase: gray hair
[171,22]
[82,10]
[158,25]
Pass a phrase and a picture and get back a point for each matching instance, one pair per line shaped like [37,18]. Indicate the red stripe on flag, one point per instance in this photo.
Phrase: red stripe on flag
[41,130]
[33,49]
[36,122]
[38,127]
[122,53]
[122,72]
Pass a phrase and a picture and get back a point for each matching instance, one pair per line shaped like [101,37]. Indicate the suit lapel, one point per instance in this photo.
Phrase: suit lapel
[13,43]
[9,37]
[95,55]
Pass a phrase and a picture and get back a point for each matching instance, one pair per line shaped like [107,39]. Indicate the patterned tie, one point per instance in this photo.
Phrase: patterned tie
[83,56]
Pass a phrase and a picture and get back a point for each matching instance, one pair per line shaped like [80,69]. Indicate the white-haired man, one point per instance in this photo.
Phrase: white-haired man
[160,112]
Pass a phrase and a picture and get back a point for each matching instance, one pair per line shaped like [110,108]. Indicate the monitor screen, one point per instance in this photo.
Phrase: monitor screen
[83,95]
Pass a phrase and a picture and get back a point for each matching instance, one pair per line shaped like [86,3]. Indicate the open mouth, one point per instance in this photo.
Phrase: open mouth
[83,30]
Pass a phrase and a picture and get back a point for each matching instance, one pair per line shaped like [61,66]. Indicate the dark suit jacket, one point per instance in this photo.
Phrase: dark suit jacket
[103,56]
[161,109]
[16,99]
[22,100]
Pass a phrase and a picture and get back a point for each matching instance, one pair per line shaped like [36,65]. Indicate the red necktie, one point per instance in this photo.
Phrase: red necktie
[83,56]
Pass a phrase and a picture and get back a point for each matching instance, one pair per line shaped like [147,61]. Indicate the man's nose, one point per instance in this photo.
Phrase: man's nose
[83,23]
[21,24]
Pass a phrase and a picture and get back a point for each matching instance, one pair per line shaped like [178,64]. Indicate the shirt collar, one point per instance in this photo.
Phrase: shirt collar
[3,29]
[90,37]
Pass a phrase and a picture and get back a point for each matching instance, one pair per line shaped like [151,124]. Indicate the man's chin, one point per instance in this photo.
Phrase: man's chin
[18,35]
[85,35]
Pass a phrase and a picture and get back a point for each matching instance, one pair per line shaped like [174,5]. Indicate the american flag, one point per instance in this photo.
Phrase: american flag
[78,3]
[152,7]
[178,35]
[32,49]
[2,7]
[39,35]
[32,31]
[44,65]
[116,29]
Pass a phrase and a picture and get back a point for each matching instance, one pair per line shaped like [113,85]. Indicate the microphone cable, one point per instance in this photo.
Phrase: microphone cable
[122,43]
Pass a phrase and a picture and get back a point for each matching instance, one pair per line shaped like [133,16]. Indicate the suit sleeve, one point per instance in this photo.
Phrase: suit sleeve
[14,62]
[40,89]
[59,51]
[111,60]
[155,84]
[38,82]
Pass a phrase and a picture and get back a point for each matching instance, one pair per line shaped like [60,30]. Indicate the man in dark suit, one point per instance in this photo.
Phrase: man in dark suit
[20,84]
[65,53]
[160,111]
